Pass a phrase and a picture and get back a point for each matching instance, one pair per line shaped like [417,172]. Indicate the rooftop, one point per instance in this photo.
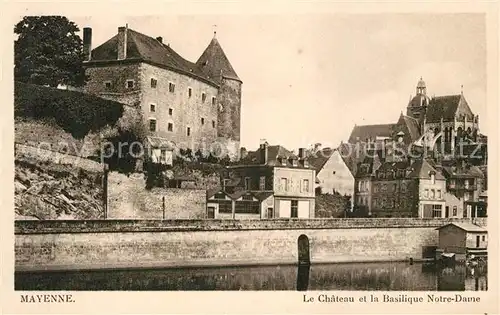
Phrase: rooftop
[468,227]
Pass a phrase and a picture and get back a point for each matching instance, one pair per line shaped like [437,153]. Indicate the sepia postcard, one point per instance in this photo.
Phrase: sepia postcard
[250,157]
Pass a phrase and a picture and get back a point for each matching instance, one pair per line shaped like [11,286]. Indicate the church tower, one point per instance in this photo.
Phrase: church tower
[417,106]
[215,64]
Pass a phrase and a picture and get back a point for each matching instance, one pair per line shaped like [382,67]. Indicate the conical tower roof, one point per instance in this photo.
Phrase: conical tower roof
[215,63]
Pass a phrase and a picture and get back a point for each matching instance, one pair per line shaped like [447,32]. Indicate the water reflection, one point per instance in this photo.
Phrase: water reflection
[369,276]
[303,277]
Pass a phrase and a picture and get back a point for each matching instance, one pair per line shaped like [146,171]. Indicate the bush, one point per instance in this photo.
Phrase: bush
[75,112]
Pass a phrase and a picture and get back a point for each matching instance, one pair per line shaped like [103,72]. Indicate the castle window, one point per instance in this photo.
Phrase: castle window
[171,87]
[152,124]
[202,121]
[188,131]
[203,97]
[152,108]
[154,82]
[213,123]
[130,84]
[107,85]
[455,211]
[213,100]
[170,111]
[170,127]
[190,92]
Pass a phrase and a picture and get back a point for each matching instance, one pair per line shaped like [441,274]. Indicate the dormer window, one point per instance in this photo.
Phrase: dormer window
[283,161]
[294,162]
[433,178]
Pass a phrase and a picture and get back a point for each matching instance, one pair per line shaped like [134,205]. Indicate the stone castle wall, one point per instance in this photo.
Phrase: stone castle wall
[128,199]
[147,244]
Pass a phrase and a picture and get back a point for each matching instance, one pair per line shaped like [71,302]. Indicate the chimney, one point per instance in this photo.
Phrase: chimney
[264,152]
[122,42]
[87,43]
[243,153]
[160,39]
[302,153]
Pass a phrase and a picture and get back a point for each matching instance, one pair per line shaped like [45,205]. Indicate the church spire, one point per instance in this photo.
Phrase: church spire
[421,88]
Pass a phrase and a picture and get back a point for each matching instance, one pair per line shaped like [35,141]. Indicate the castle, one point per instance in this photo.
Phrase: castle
[183,104]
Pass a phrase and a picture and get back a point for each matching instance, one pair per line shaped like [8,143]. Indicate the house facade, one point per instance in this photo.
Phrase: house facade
[463,239]
[187,104]
[280,181]
[332,173]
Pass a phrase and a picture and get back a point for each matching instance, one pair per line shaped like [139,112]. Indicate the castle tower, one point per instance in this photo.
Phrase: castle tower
[215,64]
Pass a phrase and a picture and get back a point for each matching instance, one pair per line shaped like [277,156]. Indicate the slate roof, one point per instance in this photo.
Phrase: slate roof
[468,227]
[461,172]
[422,168]
[387,166]
[352,157]
[213,191]
[274,153]
[214,62]
[143,47]
[442,106]
[413,127]
[419,100]
[263,195]
[370,131]
[319,159]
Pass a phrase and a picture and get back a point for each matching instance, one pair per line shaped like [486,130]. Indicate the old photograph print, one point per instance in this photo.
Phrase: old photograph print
[337,152]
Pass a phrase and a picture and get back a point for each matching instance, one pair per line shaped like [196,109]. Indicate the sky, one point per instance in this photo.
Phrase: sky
[310,78]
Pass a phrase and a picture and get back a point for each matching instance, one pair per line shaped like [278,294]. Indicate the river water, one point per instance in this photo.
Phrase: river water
[358,276]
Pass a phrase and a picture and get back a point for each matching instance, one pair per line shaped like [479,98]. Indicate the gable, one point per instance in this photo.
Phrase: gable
[335,164]
[463,109]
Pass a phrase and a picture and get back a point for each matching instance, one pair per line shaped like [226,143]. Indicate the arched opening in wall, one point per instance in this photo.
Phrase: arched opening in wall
[303,250]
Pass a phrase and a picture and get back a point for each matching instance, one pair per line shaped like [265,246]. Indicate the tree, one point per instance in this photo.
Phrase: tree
[48,52]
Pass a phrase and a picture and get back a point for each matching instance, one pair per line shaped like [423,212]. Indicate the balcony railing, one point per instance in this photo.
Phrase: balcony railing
[462,187]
